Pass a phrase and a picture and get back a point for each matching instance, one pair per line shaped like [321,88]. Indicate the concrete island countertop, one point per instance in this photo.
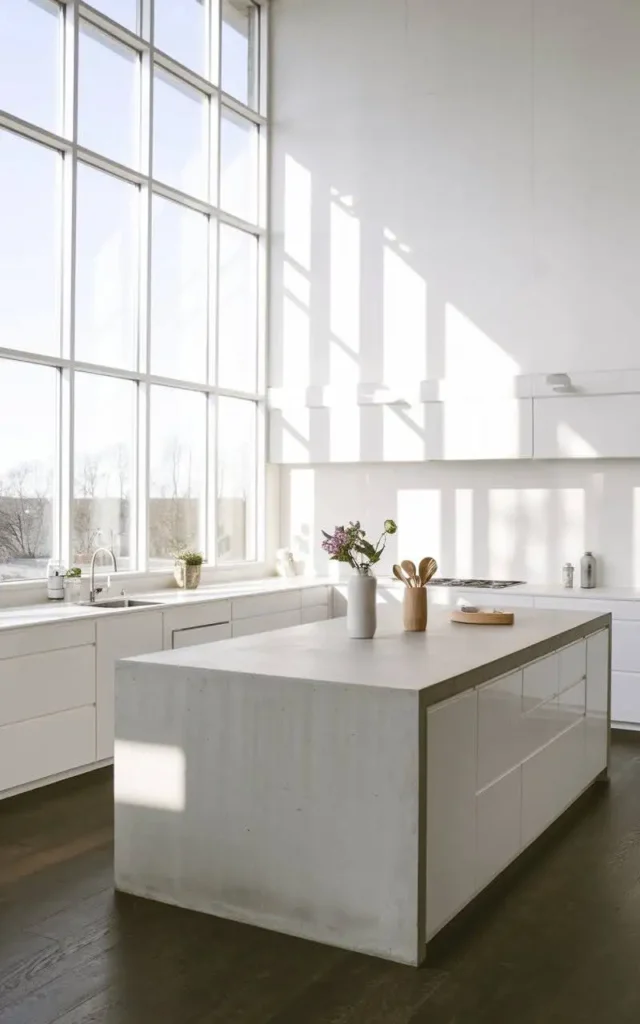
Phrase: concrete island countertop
[446,660]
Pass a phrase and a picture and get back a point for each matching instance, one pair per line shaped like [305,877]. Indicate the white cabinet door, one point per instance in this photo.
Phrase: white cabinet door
[120,636]
[625,644]
[586,427]
[200,635]
[42,684]
[316,614]
[596,724]
[625,698]
[498,826]
[499,721]
[46,746]
[266,623]
[468,428]
[451,807]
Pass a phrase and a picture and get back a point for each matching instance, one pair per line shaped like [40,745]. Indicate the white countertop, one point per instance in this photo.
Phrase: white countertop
[59,611]
[446,660]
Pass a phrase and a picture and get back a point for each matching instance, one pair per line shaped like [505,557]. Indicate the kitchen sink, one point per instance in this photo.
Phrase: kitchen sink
[120,602]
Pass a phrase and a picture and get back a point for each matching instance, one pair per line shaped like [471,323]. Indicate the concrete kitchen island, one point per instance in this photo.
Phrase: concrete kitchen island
[359,793]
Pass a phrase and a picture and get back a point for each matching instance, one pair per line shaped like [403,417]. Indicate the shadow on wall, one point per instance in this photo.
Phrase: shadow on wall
[517,520]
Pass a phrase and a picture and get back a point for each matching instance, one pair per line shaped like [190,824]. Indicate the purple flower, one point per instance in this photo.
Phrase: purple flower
[334,544]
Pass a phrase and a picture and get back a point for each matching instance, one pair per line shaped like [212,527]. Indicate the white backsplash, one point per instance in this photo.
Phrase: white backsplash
[508,520]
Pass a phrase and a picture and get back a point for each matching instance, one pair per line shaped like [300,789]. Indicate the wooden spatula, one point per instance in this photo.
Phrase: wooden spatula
[410,569]
[428,567]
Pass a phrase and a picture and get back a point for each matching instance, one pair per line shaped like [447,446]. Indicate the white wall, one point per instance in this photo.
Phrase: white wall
[456,195]
[504,520]
[455,188]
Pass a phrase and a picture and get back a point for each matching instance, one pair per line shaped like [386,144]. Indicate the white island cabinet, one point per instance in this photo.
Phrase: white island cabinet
[357,793]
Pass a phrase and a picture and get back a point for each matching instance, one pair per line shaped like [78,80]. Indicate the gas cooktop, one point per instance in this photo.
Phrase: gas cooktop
[444,581]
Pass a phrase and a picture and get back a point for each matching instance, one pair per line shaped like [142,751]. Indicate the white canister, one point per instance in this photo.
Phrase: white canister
[55,581]
[567,575]
[361,606]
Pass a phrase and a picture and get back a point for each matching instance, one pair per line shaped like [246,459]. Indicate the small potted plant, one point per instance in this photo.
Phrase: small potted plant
[187,569]
[73,584]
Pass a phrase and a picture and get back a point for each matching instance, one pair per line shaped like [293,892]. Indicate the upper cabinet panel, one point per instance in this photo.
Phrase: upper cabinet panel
[587,427]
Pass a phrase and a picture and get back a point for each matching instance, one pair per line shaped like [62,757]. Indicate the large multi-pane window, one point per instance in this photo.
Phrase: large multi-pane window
[132,150]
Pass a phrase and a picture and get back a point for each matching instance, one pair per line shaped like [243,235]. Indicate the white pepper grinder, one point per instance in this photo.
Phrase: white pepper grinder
[587,571]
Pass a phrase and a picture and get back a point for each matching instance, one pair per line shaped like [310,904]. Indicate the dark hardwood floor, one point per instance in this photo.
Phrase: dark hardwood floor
[558,944]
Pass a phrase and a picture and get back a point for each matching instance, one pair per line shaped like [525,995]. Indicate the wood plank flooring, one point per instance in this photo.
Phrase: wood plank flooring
[558,944]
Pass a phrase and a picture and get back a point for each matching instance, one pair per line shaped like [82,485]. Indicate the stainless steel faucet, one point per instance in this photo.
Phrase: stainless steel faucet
[98,590]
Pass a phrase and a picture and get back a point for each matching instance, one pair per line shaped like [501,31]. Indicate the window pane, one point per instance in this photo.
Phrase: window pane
[104,432]
[179,293]
[180,135]
[177,477]
[238,166]
[106,269]
[31,61]
[125,12]
[180,28]
[236,479]
[27,468]
[108,109]
[29,245]
[238,310]
[240,50]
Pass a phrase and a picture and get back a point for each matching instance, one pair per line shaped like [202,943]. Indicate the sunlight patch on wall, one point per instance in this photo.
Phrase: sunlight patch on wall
[419,524]
[296,344]
[572,530]
[150,775]
[636,536]
[503,532]
[296,284]
[463,563]
[344,296]
[302,529]
[572,445]
[297,212]
[472,357]
[404,322]
[532,537]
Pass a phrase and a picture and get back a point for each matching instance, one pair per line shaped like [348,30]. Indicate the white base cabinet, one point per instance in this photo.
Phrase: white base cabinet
[504,761]
[120,636]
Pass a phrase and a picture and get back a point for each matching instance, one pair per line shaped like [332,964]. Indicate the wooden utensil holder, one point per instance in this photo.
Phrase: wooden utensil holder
[414,609]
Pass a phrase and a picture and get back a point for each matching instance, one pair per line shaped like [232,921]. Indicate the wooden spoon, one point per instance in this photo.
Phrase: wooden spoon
[428,567]
[399,575]
[410,569]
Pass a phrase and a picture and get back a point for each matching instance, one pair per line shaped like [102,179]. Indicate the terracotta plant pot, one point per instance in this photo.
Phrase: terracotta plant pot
[187,576]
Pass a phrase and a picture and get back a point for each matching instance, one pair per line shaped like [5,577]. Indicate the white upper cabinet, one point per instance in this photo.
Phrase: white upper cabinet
[586,427]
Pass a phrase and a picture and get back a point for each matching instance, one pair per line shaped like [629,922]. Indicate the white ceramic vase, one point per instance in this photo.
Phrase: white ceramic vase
[361,606]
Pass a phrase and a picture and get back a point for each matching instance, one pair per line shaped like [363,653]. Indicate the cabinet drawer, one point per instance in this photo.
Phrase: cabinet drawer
[625,646]
[540,682]
[572,665]
[41,684]
[499,722]
[551,779]
[265,604]
[313,596]
[210,614]
[265,623]
[497,826]
[38,639]
[46,746]
[625,697]
[317,614]
[201,635]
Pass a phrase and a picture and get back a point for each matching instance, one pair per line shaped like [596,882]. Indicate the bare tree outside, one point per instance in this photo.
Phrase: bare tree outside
[173,513]
[25,517]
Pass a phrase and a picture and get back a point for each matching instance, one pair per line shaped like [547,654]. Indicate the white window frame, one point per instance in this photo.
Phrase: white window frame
[75,12]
